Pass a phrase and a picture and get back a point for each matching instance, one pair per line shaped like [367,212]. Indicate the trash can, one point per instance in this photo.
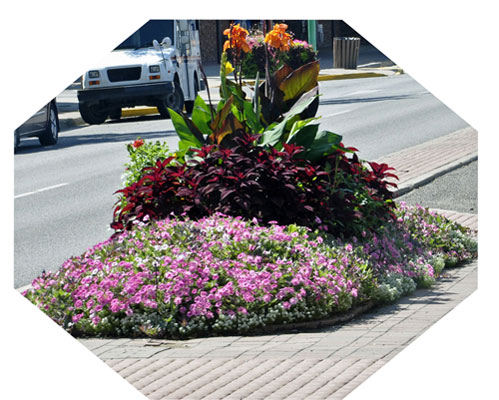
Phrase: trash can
[345,52]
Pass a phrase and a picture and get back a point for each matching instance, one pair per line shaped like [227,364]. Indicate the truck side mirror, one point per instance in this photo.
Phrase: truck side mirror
[166,42]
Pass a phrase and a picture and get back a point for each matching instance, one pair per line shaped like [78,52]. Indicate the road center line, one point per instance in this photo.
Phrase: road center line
[40,190]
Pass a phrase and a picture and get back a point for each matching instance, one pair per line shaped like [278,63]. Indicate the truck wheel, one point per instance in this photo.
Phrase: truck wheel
[174,100]
[92,114]
[51,133]
[115,114]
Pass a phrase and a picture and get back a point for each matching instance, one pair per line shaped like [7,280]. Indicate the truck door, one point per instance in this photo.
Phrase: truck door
[184,48]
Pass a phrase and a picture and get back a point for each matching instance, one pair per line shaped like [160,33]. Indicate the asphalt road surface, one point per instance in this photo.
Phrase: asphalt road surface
[456,191]
[64,194]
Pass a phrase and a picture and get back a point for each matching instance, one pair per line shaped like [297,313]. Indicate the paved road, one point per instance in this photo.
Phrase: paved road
[64,195]
[384,115]
[457,190]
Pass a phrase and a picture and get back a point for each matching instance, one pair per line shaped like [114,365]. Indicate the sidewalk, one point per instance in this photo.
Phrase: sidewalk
[329,363]
[324,363]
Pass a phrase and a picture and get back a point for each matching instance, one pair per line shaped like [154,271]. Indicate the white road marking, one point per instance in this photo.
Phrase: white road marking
[40,190]
[367,91]
[337,113]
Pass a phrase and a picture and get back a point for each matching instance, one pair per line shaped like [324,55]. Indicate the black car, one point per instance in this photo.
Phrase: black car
[44,125]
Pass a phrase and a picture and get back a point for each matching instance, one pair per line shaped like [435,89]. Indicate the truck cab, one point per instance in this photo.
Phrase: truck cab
[158,65]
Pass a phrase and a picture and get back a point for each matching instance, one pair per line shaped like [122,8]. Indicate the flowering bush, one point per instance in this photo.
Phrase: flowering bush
[298,54]
[223,275]
[143,154]
[219,274]
[339,194]
[438,233]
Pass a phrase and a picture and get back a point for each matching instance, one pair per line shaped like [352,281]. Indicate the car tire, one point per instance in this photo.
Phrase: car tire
[115,114]
[174,100]
[50,135]
[92,115]
[189,105]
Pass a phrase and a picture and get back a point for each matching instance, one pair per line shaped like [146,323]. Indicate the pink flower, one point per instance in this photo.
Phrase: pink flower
[77,317]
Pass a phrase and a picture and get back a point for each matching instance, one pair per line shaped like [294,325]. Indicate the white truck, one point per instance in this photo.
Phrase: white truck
[144,72]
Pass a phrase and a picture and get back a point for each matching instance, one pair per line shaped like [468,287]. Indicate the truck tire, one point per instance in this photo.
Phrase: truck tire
[92,115]
[50,135]
[115,114]
[175,101]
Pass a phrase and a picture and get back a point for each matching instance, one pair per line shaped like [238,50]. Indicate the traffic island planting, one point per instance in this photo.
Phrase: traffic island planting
[258,219]
[179,278]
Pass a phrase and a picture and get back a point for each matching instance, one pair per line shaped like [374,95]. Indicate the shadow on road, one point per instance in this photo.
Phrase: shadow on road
[29,146]
[364,99]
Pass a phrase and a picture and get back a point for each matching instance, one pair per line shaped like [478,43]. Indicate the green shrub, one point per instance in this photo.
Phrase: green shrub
[143,154]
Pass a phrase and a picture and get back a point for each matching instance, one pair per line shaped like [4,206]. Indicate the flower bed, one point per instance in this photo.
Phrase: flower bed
[313,230]
[222,275]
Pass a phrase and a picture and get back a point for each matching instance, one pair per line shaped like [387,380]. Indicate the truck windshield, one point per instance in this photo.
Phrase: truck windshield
[154,29]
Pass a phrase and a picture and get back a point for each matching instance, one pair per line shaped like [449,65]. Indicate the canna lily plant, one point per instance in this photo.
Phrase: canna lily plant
[235,43]
[281,110]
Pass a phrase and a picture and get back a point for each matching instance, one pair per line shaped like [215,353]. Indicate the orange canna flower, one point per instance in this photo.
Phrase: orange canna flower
[278,38]
[236,39]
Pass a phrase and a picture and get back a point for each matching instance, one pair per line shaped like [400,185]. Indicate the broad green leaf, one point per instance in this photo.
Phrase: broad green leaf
[252,119]
[325,143]
[185,128]
[186,145]
[300,106]
[271,136]
[276,133]
[305,136]
[301,80]
[300,124]
[201,115]
[222,112]
[281,74]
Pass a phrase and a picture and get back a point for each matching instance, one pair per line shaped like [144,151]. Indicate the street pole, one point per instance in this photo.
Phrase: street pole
[312,29]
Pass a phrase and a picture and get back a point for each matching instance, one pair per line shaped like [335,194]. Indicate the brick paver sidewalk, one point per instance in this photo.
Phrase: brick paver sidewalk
[326,363]
[420,164]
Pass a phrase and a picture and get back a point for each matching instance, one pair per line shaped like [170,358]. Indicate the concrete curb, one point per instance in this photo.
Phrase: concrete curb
[350,76]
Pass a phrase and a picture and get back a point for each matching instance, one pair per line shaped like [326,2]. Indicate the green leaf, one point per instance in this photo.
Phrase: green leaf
[186,129]
[256,96]
[272,135]
[252,119]
[299,81]
[276,133]
[301,105]
[304,136]
[201,115]
[325,143]
[300,124]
